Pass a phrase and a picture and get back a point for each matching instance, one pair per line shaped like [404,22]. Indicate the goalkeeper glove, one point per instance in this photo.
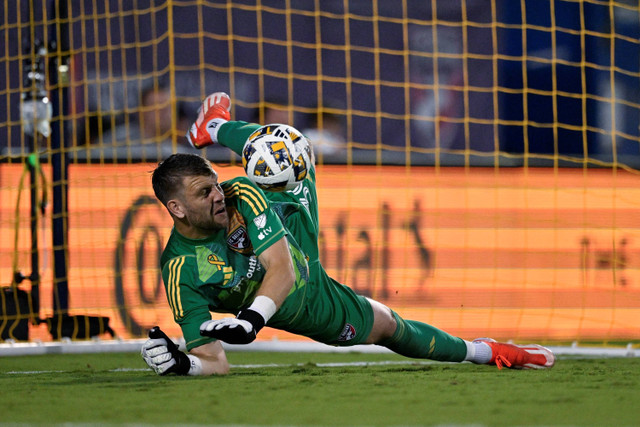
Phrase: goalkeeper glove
[213,113]
[244,328]
[162,355]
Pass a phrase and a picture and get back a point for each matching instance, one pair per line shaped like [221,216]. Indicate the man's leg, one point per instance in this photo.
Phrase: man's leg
[413,339]
[419,340]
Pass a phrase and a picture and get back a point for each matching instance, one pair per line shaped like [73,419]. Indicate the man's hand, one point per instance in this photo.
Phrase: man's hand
[162,354]
[234,330]
[213,113]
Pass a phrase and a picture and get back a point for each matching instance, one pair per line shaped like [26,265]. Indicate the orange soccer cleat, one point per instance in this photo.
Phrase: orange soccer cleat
[213,112]
[532,356]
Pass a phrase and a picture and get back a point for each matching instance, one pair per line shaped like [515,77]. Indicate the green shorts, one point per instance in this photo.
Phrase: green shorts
[326,311]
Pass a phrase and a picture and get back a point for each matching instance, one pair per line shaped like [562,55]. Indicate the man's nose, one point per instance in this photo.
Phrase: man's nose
[218,195]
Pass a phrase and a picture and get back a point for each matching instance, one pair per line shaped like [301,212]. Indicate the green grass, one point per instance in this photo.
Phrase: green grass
[111,388]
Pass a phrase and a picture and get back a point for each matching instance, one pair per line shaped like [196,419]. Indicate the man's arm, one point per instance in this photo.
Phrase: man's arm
[280,275]
[212,357]
[278,280]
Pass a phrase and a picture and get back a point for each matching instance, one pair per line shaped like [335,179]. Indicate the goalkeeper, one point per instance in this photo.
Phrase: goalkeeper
[236,249]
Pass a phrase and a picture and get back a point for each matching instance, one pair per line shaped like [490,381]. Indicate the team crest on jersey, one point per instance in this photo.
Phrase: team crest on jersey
[348,333]
[237,237]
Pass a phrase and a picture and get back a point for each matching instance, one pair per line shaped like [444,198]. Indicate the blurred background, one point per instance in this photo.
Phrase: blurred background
[478,161]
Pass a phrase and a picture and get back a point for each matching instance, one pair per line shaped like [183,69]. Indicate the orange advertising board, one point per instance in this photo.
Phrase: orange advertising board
[510,253]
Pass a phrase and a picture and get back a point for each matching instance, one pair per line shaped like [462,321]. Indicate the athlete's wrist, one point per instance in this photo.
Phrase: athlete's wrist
[264,306]
[254,320]
[195,365]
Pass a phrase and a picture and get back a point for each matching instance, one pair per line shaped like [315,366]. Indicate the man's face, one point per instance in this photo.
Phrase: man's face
[203,205]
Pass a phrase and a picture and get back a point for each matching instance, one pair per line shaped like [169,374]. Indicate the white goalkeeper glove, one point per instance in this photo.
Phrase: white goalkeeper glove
[163,356]
[244,328]
[213,113]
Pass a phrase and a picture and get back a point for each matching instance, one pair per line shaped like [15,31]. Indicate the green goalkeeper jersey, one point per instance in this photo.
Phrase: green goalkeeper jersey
[222,273]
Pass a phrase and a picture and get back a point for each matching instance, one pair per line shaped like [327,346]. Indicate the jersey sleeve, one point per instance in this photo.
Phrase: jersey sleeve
[263,225]
[234,134]
[304,194]
[190,308]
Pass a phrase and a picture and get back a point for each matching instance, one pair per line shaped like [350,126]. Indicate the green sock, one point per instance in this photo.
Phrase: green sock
[422,341]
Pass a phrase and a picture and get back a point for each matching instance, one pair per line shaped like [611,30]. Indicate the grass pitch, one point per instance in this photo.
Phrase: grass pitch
[303,389]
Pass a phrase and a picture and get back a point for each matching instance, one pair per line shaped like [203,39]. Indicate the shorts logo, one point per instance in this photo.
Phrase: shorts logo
[348,333]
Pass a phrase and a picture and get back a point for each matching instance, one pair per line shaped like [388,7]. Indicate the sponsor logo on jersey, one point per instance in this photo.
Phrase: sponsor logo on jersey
[238,238]
[348,333]
[254,266]
[264,233]
[260,221]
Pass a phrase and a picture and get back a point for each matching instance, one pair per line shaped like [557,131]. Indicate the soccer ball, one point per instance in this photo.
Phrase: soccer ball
[276,157]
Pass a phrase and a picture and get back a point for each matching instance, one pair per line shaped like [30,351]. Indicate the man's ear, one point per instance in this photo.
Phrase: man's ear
[176,208]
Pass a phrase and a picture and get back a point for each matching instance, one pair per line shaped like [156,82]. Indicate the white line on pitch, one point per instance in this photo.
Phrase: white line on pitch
[265,365]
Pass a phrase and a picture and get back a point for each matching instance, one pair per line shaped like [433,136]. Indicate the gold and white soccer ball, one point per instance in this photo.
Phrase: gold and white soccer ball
[276,157]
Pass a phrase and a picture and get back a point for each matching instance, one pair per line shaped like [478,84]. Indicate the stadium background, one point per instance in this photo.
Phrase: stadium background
[483,178]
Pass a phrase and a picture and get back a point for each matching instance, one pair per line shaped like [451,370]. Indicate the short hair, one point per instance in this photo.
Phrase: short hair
[168,175]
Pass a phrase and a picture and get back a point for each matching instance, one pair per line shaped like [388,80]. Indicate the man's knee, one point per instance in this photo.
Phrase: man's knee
[384,323]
